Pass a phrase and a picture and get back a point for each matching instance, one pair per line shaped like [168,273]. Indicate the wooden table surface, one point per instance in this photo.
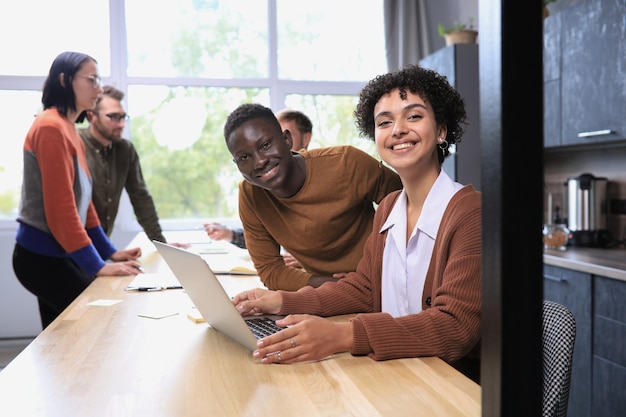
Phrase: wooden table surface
[108,361]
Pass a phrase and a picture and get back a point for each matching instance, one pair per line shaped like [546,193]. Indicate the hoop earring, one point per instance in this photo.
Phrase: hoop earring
[443,145]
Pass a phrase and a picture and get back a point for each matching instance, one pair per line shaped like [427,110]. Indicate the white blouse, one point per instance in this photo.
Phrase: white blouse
[405,266]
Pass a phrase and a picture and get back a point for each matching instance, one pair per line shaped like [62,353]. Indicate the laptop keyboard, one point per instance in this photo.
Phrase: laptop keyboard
[262,326]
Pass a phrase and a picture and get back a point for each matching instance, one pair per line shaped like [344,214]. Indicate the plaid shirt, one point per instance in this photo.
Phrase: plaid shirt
[238,239]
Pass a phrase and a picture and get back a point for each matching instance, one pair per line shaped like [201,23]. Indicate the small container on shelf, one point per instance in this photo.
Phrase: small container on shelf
[555,236]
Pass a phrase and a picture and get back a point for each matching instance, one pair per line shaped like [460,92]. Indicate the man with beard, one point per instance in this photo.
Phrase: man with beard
[114,165]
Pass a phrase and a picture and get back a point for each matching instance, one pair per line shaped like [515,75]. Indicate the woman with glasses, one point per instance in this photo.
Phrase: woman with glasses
[60,245]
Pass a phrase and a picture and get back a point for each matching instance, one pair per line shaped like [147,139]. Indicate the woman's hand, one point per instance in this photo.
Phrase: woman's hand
[126,255]
[306,338]
[120,268]
[258,301]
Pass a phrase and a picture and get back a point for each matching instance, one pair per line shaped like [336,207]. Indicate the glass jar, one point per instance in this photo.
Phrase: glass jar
[555,236]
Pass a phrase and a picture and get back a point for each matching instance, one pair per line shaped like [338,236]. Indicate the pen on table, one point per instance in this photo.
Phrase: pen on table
[157,288]
[150,288]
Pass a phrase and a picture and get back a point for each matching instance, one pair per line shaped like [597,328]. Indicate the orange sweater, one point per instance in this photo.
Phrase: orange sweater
[57,217]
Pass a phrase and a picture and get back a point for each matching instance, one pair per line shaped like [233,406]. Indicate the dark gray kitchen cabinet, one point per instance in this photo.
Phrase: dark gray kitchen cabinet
[573,289]
[592,73]
[552,82]
[609,347]
[459,63]
[599,367]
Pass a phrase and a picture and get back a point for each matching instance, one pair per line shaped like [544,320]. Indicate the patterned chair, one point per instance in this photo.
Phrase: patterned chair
[558,336]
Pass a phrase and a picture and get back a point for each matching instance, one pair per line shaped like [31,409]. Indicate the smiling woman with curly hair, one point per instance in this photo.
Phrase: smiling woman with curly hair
[447,104]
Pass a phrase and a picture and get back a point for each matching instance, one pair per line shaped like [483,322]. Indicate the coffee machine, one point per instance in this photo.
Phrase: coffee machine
[586,211]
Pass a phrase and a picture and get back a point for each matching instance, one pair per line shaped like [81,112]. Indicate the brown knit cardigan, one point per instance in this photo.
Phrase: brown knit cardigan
[449,324]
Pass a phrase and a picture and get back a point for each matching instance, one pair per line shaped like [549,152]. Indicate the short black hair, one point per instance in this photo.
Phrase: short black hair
[58,95]
[434,88]
[247,112]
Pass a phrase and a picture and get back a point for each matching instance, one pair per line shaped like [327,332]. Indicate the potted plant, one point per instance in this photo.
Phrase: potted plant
[459,32]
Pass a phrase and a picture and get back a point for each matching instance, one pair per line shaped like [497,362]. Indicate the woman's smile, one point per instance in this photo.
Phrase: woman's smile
[401,146]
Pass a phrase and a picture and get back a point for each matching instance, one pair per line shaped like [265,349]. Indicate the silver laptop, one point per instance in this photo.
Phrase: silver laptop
[209,297]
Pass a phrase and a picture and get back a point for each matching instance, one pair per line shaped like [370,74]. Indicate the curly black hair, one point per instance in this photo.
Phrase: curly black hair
[447,104]
[247,112]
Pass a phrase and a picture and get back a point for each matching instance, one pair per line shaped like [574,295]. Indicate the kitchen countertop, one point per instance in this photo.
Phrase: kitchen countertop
[609,263]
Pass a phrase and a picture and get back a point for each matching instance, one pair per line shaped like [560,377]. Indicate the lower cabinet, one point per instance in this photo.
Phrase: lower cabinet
[609,347]
[573,290]
[599,367]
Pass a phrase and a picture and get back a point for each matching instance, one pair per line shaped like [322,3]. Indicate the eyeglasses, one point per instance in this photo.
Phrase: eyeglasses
[115,117]
[95,79]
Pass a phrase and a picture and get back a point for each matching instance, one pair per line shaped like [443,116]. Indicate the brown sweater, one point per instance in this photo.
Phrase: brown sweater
[324,225]
[448,326]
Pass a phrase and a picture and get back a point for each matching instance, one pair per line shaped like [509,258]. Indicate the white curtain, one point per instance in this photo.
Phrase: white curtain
[406,32]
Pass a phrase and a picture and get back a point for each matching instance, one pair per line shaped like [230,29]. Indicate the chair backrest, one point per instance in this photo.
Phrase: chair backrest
[558,336]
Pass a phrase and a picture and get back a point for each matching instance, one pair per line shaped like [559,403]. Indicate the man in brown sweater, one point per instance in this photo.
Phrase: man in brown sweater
[317,204]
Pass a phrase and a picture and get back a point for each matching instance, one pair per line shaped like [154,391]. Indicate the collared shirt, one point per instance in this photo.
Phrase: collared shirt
[405,265]
[114,168]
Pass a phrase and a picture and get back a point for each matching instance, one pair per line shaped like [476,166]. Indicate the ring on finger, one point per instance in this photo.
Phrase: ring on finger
[293,342]
[278,356]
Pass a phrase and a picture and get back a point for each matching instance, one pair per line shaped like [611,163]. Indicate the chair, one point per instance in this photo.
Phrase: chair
[558,336]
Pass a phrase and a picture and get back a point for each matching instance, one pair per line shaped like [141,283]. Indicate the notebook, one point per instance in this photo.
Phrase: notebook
[209,297]
[237,262]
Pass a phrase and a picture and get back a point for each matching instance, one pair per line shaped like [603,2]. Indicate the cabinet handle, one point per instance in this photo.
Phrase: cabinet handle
[555,279]
[595,133]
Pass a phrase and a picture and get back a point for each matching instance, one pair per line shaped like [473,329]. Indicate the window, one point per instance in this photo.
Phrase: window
[33,32]
[184,66]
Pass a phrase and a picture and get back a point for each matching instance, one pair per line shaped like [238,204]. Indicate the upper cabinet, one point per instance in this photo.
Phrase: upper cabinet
[552,81]
[459,63]
[585,74]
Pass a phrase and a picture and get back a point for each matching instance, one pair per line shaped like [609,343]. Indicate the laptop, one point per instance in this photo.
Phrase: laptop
[207,294]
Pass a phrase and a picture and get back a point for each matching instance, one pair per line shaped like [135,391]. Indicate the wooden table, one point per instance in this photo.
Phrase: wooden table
[108,361]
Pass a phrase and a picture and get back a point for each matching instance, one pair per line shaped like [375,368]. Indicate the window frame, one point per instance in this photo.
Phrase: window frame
[279,89]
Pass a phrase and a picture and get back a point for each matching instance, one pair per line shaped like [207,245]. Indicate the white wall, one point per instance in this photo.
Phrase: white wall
[19,314]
